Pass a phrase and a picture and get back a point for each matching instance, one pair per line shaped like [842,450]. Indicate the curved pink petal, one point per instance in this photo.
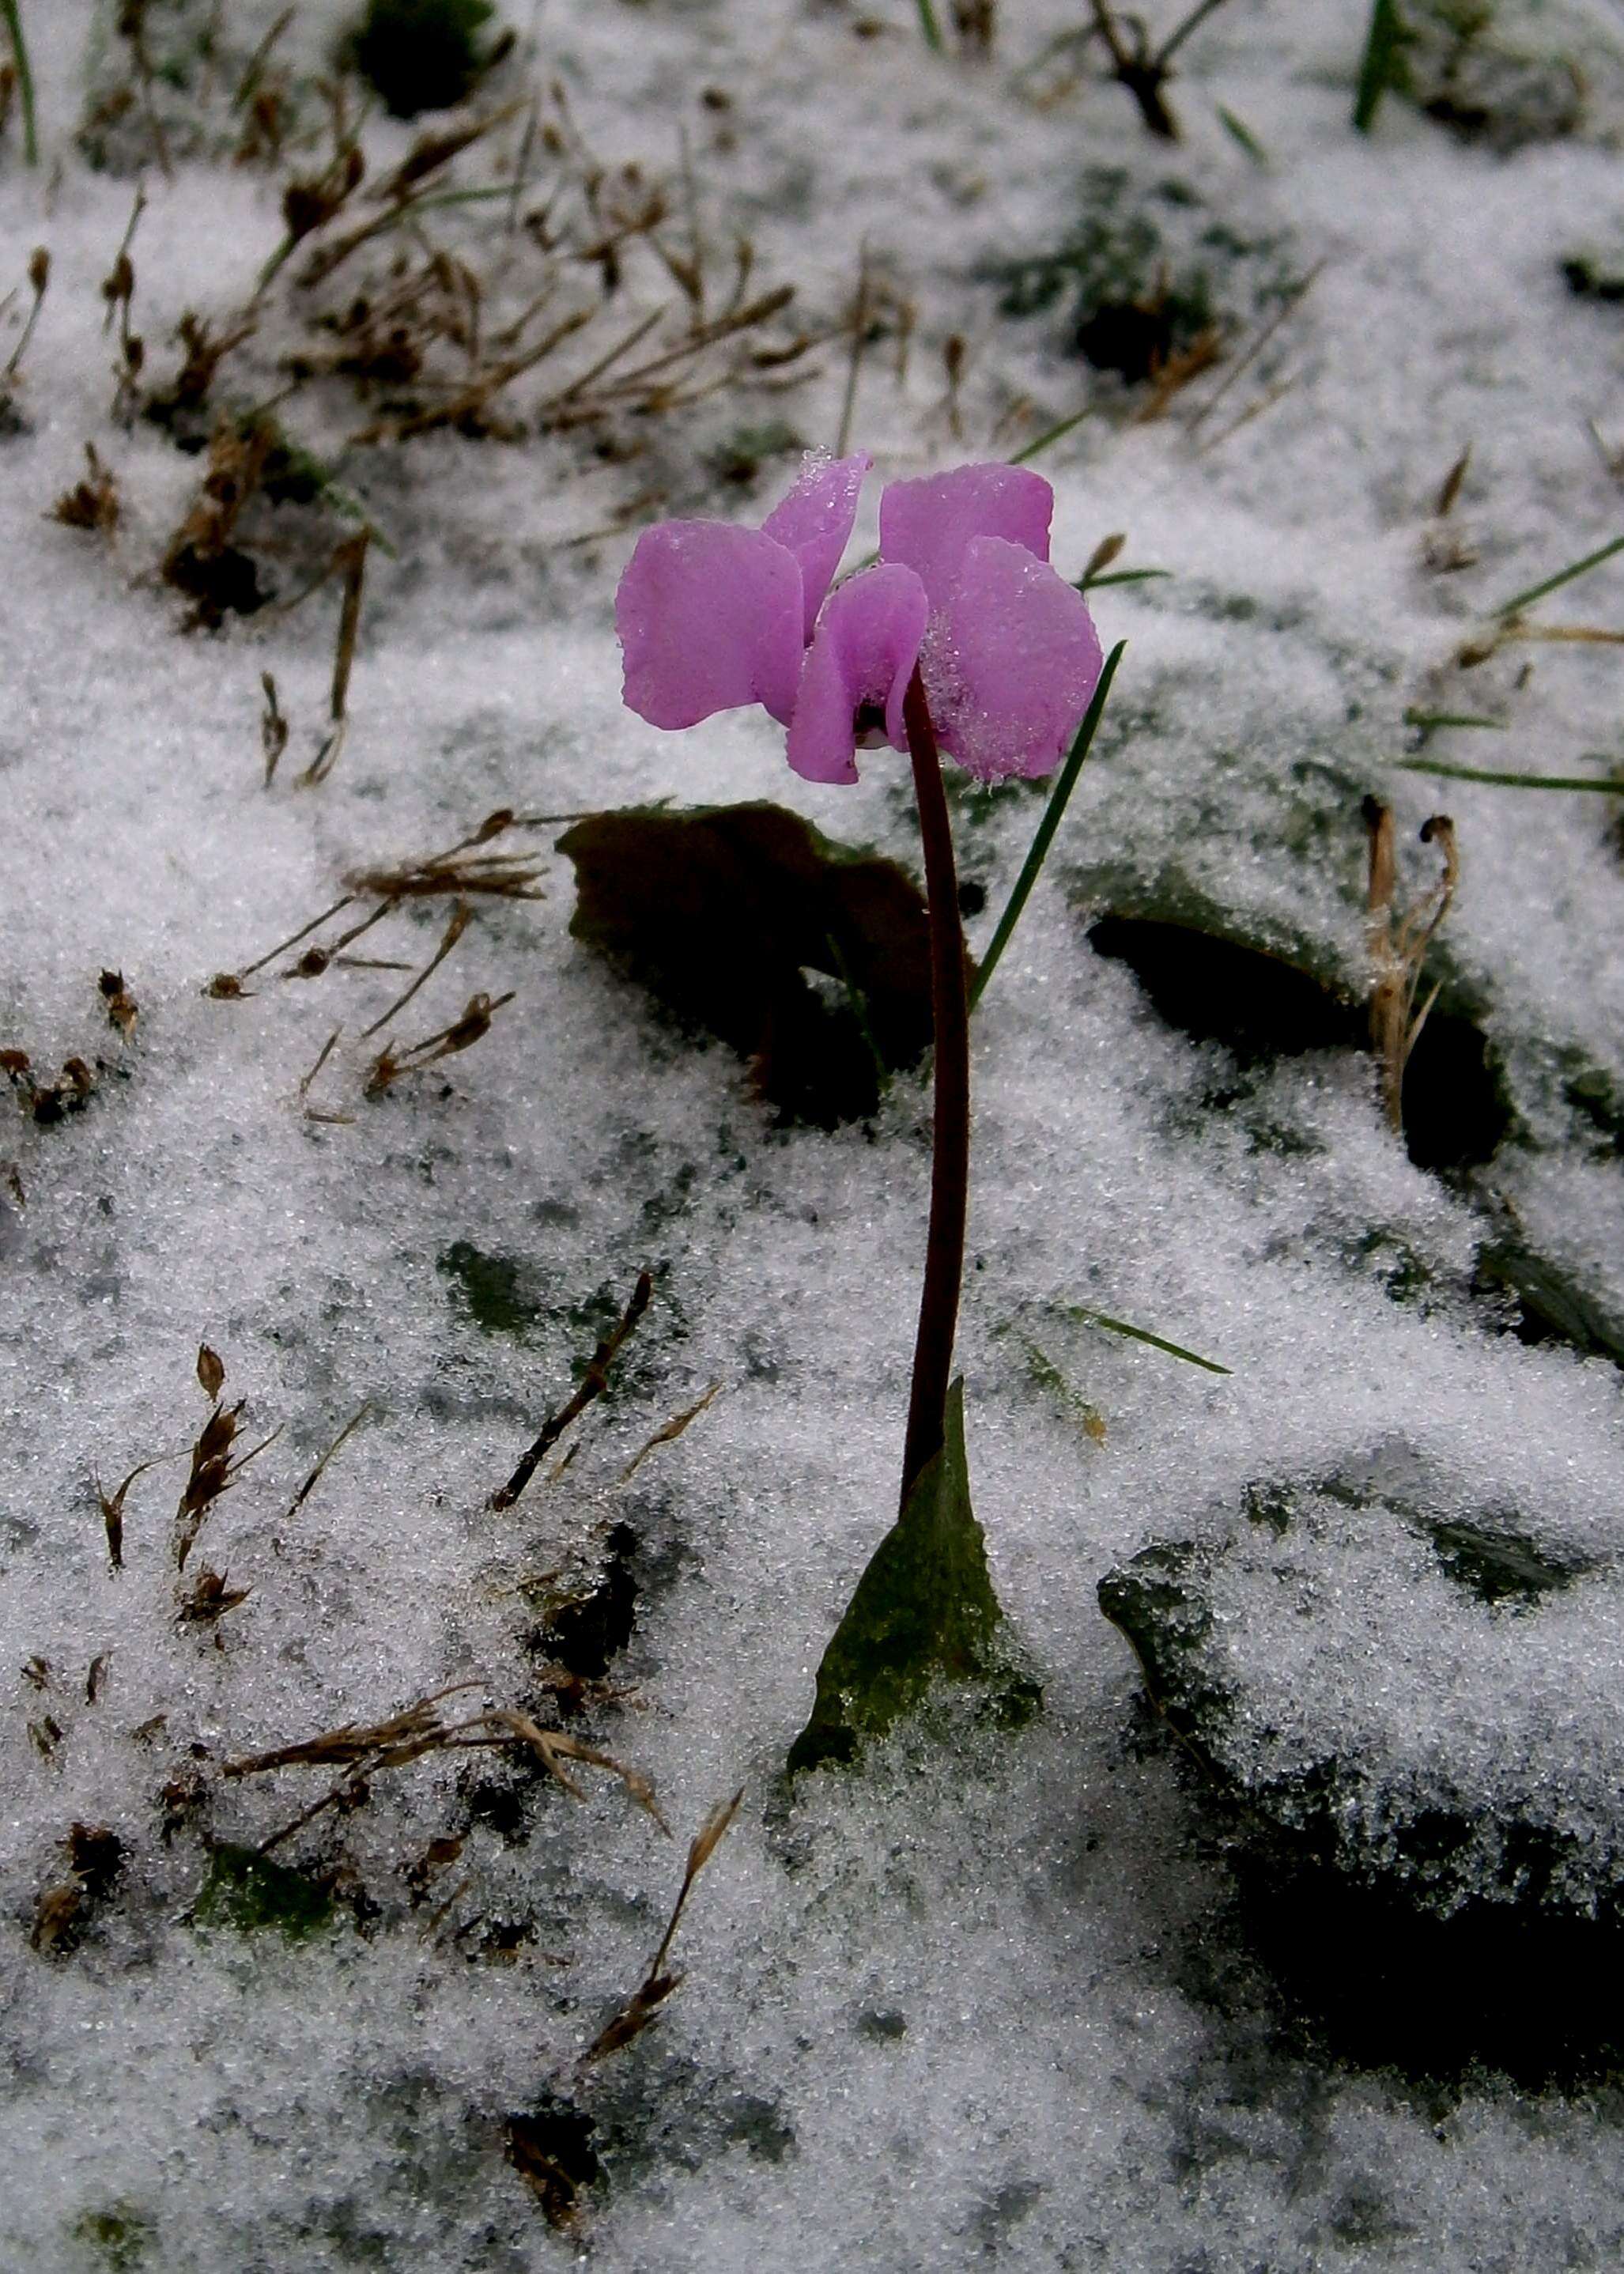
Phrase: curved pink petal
[1009,664]
[709,617]
[815,522]
[861,658]
[928,523]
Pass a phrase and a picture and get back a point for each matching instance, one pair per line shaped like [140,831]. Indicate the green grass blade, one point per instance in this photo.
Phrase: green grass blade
[929,27]
[1120,576]
[1049,1377]
[1081,1313]
[1381,69]
[1521,601]
[1239,132]
[1607,786]
[1050,435]
[25,80]
[1430,721]
[1053,814]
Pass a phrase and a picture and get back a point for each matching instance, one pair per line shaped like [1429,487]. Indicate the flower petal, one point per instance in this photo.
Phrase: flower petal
[815,521]
[1009,664]
[709,617]
[928,523]
[864,654]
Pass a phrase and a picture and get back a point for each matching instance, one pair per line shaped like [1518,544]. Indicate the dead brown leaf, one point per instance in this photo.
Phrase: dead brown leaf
[56,1916]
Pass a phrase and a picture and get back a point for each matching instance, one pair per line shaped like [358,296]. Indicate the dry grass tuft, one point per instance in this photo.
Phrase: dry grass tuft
[123,1010]
[391,1064]
[309,1486]
[1143,71]
[644,2004]
[112,1506]
[202,559]
[364,1750]
[209,1598]
[216,1462]
[47,1103]
[460,869]
[669,1431]
[93,503]
[1398,941]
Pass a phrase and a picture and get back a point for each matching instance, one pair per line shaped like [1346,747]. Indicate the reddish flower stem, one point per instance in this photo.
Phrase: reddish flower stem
[950,1167]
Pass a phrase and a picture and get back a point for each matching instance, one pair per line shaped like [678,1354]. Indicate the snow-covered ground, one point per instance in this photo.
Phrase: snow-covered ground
[999,1996]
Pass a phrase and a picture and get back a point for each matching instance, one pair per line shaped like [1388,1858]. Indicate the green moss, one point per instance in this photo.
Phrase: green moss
[493,1290]
[1499,1566]
[1595,1100]
[120,2237]
[249,1893]
[740,460]
[1146,279]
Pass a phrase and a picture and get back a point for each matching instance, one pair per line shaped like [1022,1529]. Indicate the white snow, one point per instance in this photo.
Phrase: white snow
[939,2010]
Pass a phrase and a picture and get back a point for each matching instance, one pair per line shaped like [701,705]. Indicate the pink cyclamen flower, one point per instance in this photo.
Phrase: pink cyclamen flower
[712,616]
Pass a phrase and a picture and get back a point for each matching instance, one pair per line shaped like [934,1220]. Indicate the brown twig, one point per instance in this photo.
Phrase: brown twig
[859,322]
[1289,302]
[593,1384]
[669,1431]
[273,728]
[39,277]
[132,26]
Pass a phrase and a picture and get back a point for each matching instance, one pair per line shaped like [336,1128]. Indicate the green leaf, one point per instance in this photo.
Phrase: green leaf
[924,1611]
[1055,433]
[1047,1376]
[120,2236]
[724,911]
